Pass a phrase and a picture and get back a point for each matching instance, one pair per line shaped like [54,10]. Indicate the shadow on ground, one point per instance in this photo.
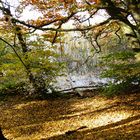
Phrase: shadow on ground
[127,129]
[59,119]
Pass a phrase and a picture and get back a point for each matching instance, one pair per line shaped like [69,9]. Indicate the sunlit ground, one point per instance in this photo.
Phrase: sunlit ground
[116,118]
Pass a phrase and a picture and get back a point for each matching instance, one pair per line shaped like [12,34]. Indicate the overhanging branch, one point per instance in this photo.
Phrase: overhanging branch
[59,29]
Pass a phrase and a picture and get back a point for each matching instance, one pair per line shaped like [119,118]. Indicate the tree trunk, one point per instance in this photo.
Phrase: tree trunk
[2,136]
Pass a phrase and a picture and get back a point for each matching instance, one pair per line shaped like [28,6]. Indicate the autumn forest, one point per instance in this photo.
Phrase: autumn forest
[69,69]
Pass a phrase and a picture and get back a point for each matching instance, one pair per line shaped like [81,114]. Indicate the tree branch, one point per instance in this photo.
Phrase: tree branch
[15,52]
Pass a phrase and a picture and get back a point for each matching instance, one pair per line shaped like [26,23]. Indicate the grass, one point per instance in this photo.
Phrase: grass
[116,118]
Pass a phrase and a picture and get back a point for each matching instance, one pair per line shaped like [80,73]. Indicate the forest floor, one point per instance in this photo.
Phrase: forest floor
[94,118]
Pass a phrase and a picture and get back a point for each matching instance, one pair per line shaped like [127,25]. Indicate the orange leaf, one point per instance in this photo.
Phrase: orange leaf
[96,1]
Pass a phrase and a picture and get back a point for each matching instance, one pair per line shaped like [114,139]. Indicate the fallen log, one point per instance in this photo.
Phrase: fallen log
[82,88]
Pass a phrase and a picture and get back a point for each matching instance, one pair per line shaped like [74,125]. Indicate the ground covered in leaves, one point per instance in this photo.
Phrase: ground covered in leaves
[94,118]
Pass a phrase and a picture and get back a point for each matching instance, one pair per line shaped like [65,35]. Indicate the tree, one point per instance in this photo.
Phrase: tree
[59,12]
[55,14]
[37,69]
[122,67]
[1,135]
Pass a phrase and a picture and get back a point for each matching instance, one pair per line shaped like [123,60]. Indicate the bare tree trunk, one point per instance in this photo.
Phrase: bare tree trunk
[37,82]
